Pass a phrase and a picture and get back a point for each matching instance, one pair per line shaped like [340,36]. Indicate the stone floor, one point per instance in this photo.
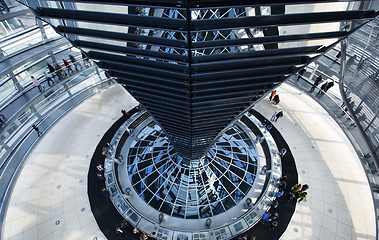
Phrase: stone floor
[50,200]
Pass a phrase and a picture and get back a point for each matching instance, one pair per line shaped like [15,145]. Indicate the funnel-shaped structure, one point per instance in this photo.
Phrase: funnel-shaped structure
[197,66]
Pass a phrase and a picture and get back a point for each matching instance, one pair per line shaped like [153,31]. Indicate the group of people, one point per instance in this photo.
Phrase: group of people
[60,71]
[124,229]
[324,88]
[276,115]
[274,97]
[296,193]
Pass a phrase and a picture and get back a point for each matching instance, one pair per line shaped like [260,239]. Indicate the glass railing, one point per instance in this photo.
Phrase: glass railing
[332,101]
[37,68]
[27,39]
[41,103]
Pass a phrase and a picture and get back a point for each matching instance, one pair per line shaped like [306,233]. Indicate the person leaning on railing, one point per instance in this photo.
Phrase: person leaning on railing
[58,70]
[48,78]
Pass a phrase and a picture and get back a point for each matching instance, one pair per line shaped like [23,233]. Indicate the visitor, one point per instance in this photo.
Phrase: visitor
[273,116]
[279,194]
[266,217]
[296,188]
[323,88]
[68,67]
[75,62]
[39,133]
[48,78]
[51,70]
[316,83]
[302,196]
[278,115]
[304,187]
[274,224]
[282,152]
[58,70]
[276,99]
[100,168]
[273,93]
[300,73]
[36,83]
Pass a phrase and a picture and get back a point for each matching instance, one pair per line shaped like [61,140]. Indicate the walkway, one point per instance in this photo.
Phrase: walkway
[50,198]
[339,205]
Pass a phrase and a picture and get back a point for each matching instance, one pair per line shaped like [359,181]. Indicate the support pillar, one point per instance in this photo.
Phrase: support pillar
[34,110]
[42,29]
[15,82]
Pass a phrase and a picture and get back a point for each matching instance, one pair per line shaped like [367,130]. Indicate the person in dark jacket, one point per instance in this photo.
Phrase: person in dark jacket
[316,83]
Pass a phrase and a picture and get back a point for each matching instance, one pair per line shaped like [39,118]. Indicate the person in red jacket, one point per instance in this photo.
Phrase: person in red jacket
[68,66]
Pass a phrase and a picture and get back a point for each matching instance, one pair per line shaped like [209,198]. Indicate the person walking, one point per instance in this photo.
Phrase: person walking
[273,116]
[68,66]
[58,70]
[316,83]
[36,83]
[278,115]
[37,130]
[273,93]
[48,78]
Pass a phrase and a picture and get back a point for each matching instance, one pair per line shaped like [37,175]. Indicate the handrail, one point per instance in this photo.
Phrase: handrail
[34,100]
[8,179]
[29,86]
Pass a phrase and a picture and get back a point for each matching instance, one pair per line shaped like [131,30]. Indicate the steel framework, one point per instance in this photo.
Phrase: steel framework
[196,66]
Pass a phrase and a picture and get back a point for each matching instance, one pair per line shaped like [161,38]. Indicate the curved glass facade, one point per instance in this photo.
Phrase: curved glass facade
[202,189]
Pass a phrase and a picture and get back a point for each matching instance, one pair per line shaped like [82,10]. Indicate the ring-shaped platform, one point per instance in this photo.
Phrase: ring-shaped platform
[139,149]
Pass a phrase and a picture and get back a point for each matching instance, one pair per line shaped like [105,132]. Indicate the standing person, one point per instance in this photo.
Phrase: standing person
[273,93]
[51,70]
[278,115]
[266,217]
[2,120]
[276,99]
[48,78]
[36,83]
[323,88]
[274,224]
[68,66]
[37,130]
[302,196]
[330,85]
[338,56]
[58,70]
[316,83]
[279,194]
[301,72]
[282,152]
[304,187]
[74,61]
[296,188]
[273,116]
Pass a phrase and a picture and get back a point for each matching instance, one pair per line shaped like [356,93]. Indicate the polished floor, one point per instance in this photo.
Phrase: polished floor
[50,199]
